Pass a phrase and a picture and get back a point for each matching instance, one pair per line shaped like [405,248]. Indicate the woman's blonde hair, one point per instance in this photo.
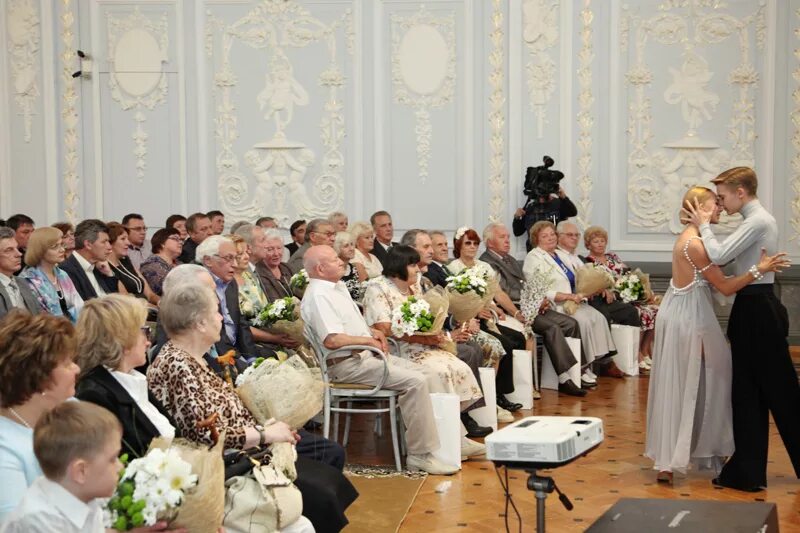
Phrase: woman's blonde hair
[698,194]
[107,326]
[357,229]
[41,239]
[592,232]
[537,228]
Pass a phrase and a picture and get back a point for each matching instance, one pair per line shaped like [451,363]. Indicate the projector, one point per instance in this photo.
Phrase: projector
[544,441]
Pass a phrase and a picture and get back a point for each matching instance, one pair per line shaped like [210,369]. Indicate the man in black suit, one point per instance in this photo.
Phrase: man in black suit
[87,266]
[384,232]
[14,292]
[23,226]
[198,225]
[298,232]
[437,271]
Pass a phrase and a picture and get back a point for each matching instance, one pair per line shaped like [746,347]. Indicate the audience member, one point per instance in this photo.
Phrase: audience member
[44,346]
[364,237]
[52,286]
[437,272]
[217,219]
[319,232]
[87,266]
[179,223]
[273,273]
[553,208]
[355,275]
[298,233]
[267,222]
[339,221]
[139,248]
[122,266]
[240,224]
[15,293]
[77,445]
[498,255]
[384,233]
[23,226]
[166,245]
[68,233]
[198,226]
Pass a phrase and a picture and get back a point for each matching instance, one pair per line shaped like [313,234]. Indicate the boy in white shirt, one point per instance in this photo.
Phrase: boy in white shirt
[77,445]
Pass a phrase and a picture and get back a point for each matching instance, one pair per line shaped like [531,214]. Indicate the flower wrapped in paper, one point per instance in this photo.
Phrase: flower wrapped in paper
[179,482]
[590,280]
[469,291]
[534,293]
[630,288]
[289,390]
[300,280]
[282,317]
[423,315]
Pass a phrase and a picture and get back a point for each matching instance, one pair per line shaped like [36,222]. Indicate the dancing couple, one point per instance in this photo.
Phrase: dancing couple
[709,400]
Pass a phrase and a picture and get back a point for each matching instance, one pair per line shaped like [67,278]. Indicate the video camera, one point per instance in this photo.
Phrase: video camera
[542,181]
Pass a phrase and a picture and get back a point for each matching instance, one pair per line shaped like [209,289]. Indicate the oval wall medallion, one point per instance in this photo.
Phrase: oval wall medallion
[137,62]
[423,57]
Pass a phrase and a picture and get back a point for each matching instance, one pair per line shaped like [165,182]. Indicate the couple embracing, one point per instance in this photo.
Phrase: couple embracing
[709,400]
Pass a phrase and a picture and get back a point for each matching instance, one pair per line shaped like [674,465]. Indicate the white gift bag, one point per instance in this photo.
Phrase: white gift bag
[487,416]
[523,379]
[447,414]
[627,340]
[512,323]
[549,376]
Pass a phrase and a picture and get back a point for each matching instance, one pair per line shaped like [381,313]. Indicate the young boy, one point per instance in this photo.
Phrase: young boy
[77,445]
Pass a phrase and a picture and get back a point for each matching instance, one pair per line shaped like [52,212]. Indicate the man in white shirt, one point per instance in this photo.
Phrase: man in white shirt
[333,318]
[764,378]
[87,266]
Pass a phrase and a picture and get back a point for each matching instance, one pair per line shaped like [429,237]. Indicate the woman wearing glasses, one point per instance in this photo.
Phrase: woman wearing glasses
[167,246]
[52,286]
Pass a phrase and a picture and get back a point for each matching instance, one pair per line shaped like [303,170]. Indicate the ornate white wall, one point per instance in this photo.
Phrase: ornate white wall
[431,110]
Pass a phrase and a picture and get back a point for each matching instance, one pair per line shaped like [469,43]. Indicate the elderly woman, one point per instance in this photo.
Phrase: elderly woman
[166,245]
[364,237]
[273,272]
[123,267]
[595,239]
[354,273]
[53,287]
[68,233]
[192,393]
[37,372]
[553,267]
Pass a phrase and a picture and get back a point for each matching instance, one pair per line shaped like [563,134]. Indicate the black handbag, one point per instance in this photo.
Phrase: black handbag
[241,462]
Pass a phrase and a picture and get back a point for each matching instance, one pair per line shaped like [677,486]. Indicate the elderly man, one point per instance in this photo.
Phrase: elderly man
[552,326]
[87,266]
[198,225]
[384,232]
[318,232]
[437,272]
[14,292]
[333,318]
[139,248]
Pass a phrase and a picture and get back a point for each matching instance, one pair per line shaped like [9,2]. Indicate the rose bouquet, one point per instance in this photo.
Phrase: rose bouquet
[300,280]
[630,288]
[469,291]
[282,317]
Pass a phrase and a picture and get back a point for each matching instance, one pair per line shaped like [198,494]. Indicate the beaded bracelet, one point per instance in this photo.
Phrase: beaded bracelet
[755,273]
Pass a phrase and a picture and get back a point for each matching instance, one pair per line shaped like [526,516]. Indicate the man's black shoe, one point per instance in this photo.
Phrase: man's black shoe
[717,482]
[474,431]
[570,388]
[503,402]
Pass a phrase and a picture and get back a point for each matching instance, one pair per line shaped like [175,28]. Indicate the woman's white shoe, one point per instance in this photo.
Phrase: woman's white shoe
[504,416]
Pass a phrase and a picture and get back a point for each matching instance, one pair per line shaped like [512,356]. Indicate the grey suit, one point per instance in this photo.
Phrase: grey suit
[295,262]
[31,303]
[511,275]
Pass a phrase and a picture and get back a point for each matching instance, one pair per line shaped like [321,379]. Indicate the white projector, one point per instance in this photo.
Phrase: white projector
[548,441]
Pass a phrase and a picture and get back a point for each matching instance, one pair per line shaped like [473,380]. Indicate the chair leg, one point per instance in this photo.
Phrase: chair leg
[378,425]
[336,426]
[402,429]
[393,422]
[347,425]
[326,416]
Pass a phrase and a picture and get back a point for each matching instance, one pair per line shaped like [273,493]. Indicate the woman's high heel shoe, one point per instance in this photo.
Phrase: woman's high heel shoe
[664,477]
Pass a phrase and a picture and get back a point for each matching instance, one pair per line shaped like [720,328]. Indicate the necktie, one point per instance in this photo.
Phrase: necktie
[16,296]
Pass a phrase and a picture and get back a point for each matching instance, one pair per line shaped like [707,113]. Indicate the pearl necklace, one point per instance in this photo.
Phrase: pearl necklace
[18,417]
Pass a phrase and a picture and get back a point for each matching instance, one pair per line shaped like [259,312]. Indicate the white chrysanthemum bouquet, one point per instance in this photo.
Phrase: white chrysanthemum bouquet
[469,291]
[468,280]
[282,317]
[300,280]
[412,316]
[630,288]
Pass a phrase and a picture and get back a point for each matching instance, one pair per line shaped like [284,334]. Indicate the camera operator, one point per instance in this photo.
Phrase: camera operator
[547,200]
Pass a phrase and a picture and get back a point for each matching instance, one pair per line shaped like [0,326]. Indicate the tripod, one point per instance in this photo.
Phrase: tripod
[542,486]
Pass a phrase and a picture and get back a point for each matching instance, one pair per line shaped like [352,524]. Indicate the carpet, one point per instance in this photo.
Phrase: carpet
[385,496]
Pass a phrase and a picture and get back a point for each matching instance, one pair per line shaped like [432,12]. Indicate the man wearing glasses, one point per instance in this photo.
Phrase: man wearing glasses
[139,248]
[318,232]
[14,291]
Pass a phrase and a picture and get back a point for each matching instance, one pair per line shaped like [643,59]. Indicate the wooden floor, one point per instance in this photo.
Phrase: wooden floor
[473,499]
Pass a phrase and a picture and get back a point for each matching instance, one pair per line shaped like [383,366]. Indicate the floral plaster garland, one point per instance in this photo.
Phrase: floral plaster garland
[795,115]
[497,120]
[69,112]
[585,119]
[23,48]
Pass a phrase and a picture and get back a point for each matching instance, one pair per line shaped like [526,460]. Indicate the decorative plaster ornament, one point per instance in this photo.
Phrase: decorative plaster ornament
[423,70]
[23,50]
[540,32]
[69,113]
[689,90]
[497,121]
[585,118]
[795,165]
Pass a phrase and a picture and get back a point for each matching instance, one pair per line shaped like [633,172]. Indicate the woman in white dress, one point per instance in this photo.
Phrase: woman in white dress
[364,238]
[545,259]
[689,398]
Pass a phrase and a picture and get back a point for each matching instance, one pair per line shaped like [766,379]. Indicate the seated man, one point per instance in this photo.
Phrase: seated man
[15,293]
[332,317]
[198,226]
[384,232]
[87,266]
[437,272]
[319,231]
[553,327]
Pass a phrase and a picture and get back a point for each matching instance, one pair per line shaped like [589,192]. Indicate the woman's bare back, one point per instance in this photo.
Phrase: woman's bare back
[683,272]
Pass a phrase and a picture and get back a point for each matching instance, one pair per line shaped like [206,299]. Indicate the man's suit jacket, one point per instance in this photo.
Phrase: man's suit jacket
[81,281]
[100,388]
[295,262]
[380,252]
[188,252]
[244,338]
[292,247]
[437,274]
[31,303]
[511,274]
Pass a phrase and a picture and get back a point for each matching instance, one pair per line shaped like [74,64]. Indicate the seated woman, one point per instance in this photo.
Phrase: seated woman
[595,239]
[167,246]
[273,272]
[364,238]
[251,296]
[37,372]
[547,261]
[191,392]
[122,266]
[354,273]
[465,250]
[53,287]
[445,372]
[177,222]
[68,234]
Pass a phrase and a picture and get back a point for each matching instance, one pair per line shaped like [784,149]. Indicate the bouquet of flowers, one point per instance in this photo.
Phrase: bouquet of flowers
[282,316]
[412,316]
[287,390]
[469,291]
[300,280]
[534,292]
[630,287]
[150,489]
[590,280]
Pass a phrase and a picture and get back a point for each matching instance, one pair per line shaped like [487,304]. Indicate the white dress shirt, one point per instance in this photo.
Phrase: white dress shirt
[327,308]
[47,507]
[135,384]
[89,269]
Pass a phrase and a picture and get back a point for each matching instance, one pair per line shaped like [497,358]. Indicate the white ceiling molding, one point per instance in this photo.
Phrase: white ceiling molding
[423,70]
[585,117]
[22,20]
[497,119]
[69,113]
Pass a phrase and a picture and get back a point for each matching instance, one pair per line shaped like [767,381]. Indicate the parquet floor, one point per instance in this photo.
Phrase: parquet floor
[473,499]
